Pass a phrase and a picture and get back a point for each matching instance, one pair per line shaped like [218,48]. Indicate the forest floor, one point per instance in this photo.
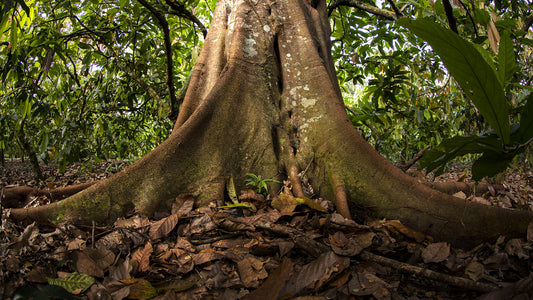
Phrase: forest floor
[302,252]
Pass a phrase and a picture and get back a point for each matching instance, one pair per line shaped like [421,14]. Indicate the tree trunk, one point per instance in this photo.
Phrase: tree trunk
[264,99]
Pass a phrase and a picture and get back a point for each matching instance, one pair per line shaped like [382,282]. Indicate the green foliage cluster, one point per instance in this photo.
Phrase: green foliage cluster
[85,80]
[404,95]
[76,78]
[259,183]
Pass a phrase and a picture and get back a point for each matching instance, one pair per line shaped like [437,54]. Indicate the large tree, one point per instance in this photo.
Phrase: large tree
[263,98]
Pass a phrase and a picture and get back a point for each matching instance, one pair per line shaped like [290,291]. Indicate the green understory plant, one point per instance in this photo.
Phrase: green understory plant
[483,83]
[258,183]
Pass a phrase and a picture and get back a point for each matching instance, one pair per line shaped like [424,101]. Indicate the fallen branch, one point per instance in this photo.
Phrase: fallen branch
[315,248]
[20,195]
[423,272]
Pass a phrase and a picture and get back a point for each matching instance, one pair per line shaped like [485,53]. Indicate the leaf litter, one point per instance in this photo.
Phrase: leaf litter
[292,252]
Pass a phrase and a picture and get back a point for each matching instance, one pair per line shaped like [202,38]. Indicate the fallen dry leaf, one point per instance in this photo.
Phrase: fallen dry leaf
[140,288]
[408,232]
[251,271]
[365,283]
[284,203]
[142,257]
[474,270]
[274,284]
[315,274]
[436,252]
[163,227]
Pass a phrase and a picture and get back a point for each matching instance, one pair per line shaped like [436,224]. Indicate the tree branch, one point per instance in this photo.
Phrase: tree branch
[527,22]
[448,9]
[145,86]
[387,14]
[395,9]
[183,12]
[173,113]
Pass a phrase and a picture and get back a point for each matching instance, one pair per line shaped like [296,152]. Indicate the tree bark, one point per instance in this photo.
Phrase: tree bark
[264,98]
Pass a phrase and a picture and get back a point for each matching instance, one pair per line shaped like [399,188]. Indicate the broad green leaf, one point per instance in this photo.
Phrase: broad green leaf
[83,45]
[27,108]
[475,76]
[74,282]
[14,34]
[525,132]
[489,165]
[506,58]
[438,157]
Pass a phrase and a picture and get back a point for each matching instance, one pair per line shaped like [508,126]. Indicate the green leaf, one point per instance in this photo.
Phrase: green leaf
[525,132]
[236,205]
[489,165]
[438,157]
[14,35]
[506,58]
[74,282]
[475,76]
[230,186]
[24,6]
[27,108]
[312,204]
[83,45]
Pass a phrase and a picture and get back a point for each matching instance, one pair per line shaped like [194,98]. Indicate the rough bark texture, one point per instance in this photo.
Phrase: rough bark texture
[264,99]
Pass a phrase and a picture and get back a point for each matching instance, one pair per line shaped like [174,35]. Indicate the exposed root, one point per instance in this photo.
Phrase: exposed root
[20,196]
[452,187]
[341,200]
[297,188]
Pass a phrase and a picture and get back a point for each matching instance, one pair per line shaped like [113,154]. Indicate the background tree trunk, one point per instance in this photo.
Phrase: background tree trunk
[264,99]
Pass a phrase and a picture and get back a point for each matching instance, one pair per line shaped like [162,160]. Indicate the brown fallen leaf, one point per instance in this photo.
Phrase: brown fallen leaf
[163,227]
[436,252]
[365,283]
[344,246]
[140,288]
[272,286]
[317,273]
[408,232]
[85,264]
[251,195]
[142,257]
[251,271]
[474,270]
[183,205]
